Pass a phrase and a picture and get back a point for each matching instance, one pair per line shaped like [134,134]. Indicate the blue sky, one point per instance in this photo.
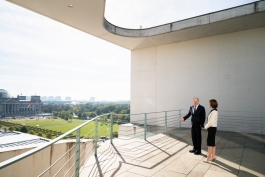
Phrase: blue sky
[39,55]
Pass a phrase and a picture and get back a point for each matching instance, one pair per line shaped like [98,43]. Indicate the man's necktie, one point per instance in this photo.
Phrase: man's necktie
[194,109]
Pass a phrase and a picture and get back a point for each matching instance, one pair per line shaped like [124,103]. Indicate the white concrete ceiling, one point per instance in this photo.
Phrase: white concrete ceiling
[88,16]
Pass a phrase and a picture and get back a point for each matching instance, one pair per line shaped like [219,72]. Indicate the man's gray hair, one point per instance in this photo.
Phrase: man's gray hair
[196,98]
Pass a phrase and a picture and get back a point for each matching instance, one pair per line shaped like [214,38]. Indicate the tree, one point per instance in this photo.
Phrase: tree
[39,134]
[85,115]
[24,129]
[98,111]
[11,129]
[79,115]
[48,135]
[55,113]
[92,114]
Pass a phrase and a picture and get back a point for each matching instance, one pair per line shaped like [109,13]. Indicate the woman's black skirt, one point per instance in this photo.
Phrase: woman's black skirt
[211,136]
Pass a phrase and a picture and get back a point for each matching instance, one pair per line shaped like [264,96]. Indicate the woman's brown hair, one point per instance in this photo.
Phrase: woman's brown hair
[213,103]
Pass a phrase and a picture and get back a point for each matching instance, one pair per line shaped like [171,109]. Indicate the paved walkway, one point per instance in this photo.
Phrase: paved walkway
[166,155]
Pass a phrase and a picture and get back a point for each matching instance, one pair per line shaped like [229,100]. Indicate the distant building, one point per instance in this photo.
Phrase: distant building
[20,106]
[50,98]
[92,99]
[43,98]
[19,140]
[22,97]
[68,98]
[57,98]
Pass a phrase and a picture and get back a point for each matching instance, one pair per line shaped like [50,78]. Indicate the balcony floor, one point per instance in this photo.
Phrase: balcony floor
[167,155]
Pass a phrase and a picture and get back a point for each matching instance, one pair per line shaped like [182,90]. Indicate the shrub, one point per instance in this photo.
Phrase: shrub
[16,128]
[11,129]
[39,134]
[31,132]
[24,129]
[48,135]
[115,134]
[5,129]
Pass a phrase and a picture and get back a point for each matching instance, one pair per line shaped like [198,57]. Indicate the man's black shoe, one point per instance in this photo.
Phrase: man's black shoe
[192,151]
[197,152]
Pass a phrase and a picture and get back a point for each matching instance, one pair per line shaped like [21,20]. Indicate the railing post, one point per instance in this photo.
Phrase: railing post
[96,137]
[261,118]
[111,128]
[179,117]
[165,121]
[145,116]
[77,153]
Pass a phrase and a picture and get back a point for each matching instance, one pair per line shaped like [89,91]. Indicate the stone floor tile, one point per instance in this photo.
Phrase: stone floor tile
[182,165]
[167,173]
[129,174]
[202,167]
[254,155]
[211,173]
[192,156]
[170,159]
[195,174]
[254,144]
[179,148]
[234,145]
[121,168]
[226,165]
[252,168]
[234,152]
[141,170]
[158,157]
[243,173]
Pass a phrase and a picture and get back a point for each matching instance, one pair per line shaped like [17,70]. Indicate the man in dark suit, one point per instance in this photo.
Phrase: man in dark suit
[197,113]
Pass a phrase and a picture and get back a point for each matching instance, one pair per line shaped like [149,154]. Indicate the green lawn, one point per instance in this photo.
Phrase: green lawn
[60,125]
[46,122]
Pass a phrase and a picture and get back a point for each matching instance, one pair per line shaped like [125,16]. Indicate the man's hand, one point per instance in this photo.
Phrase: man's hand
[181,119]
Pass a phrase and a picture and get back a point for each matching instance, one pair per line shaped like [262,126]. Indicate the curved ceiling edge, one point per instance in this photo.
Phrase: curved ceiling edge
[209,18]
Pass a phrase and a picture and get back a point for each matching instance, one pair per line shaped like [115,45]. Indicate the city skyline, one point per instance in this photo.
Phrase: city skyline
[43,57]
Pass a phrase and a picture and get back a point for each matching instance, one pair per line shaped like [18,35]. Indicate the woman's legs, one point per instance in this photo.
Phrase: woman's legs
[209,156]
[213,152]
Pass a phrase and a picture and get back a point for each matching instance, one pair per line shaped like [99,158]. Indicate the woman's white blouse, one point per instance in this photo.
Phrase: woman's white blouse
[212,119]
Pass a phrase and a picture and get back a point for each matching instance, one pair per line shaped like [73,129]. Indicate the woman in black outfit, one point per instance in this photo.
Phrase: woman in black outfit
[211,127]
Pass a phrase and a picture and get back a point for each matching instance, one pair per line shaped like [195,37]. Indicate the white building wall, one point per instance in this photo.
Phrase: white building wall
[35,164]
[229,68]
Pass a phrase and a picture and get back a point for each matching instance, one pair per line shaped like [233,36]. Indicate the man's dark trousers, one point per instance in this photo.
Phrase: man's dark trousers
[196,136]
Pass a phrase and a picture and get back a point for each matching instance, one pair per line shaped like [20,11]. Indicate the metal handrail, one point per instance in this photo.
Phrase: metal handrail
[39,148]
[169,120]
